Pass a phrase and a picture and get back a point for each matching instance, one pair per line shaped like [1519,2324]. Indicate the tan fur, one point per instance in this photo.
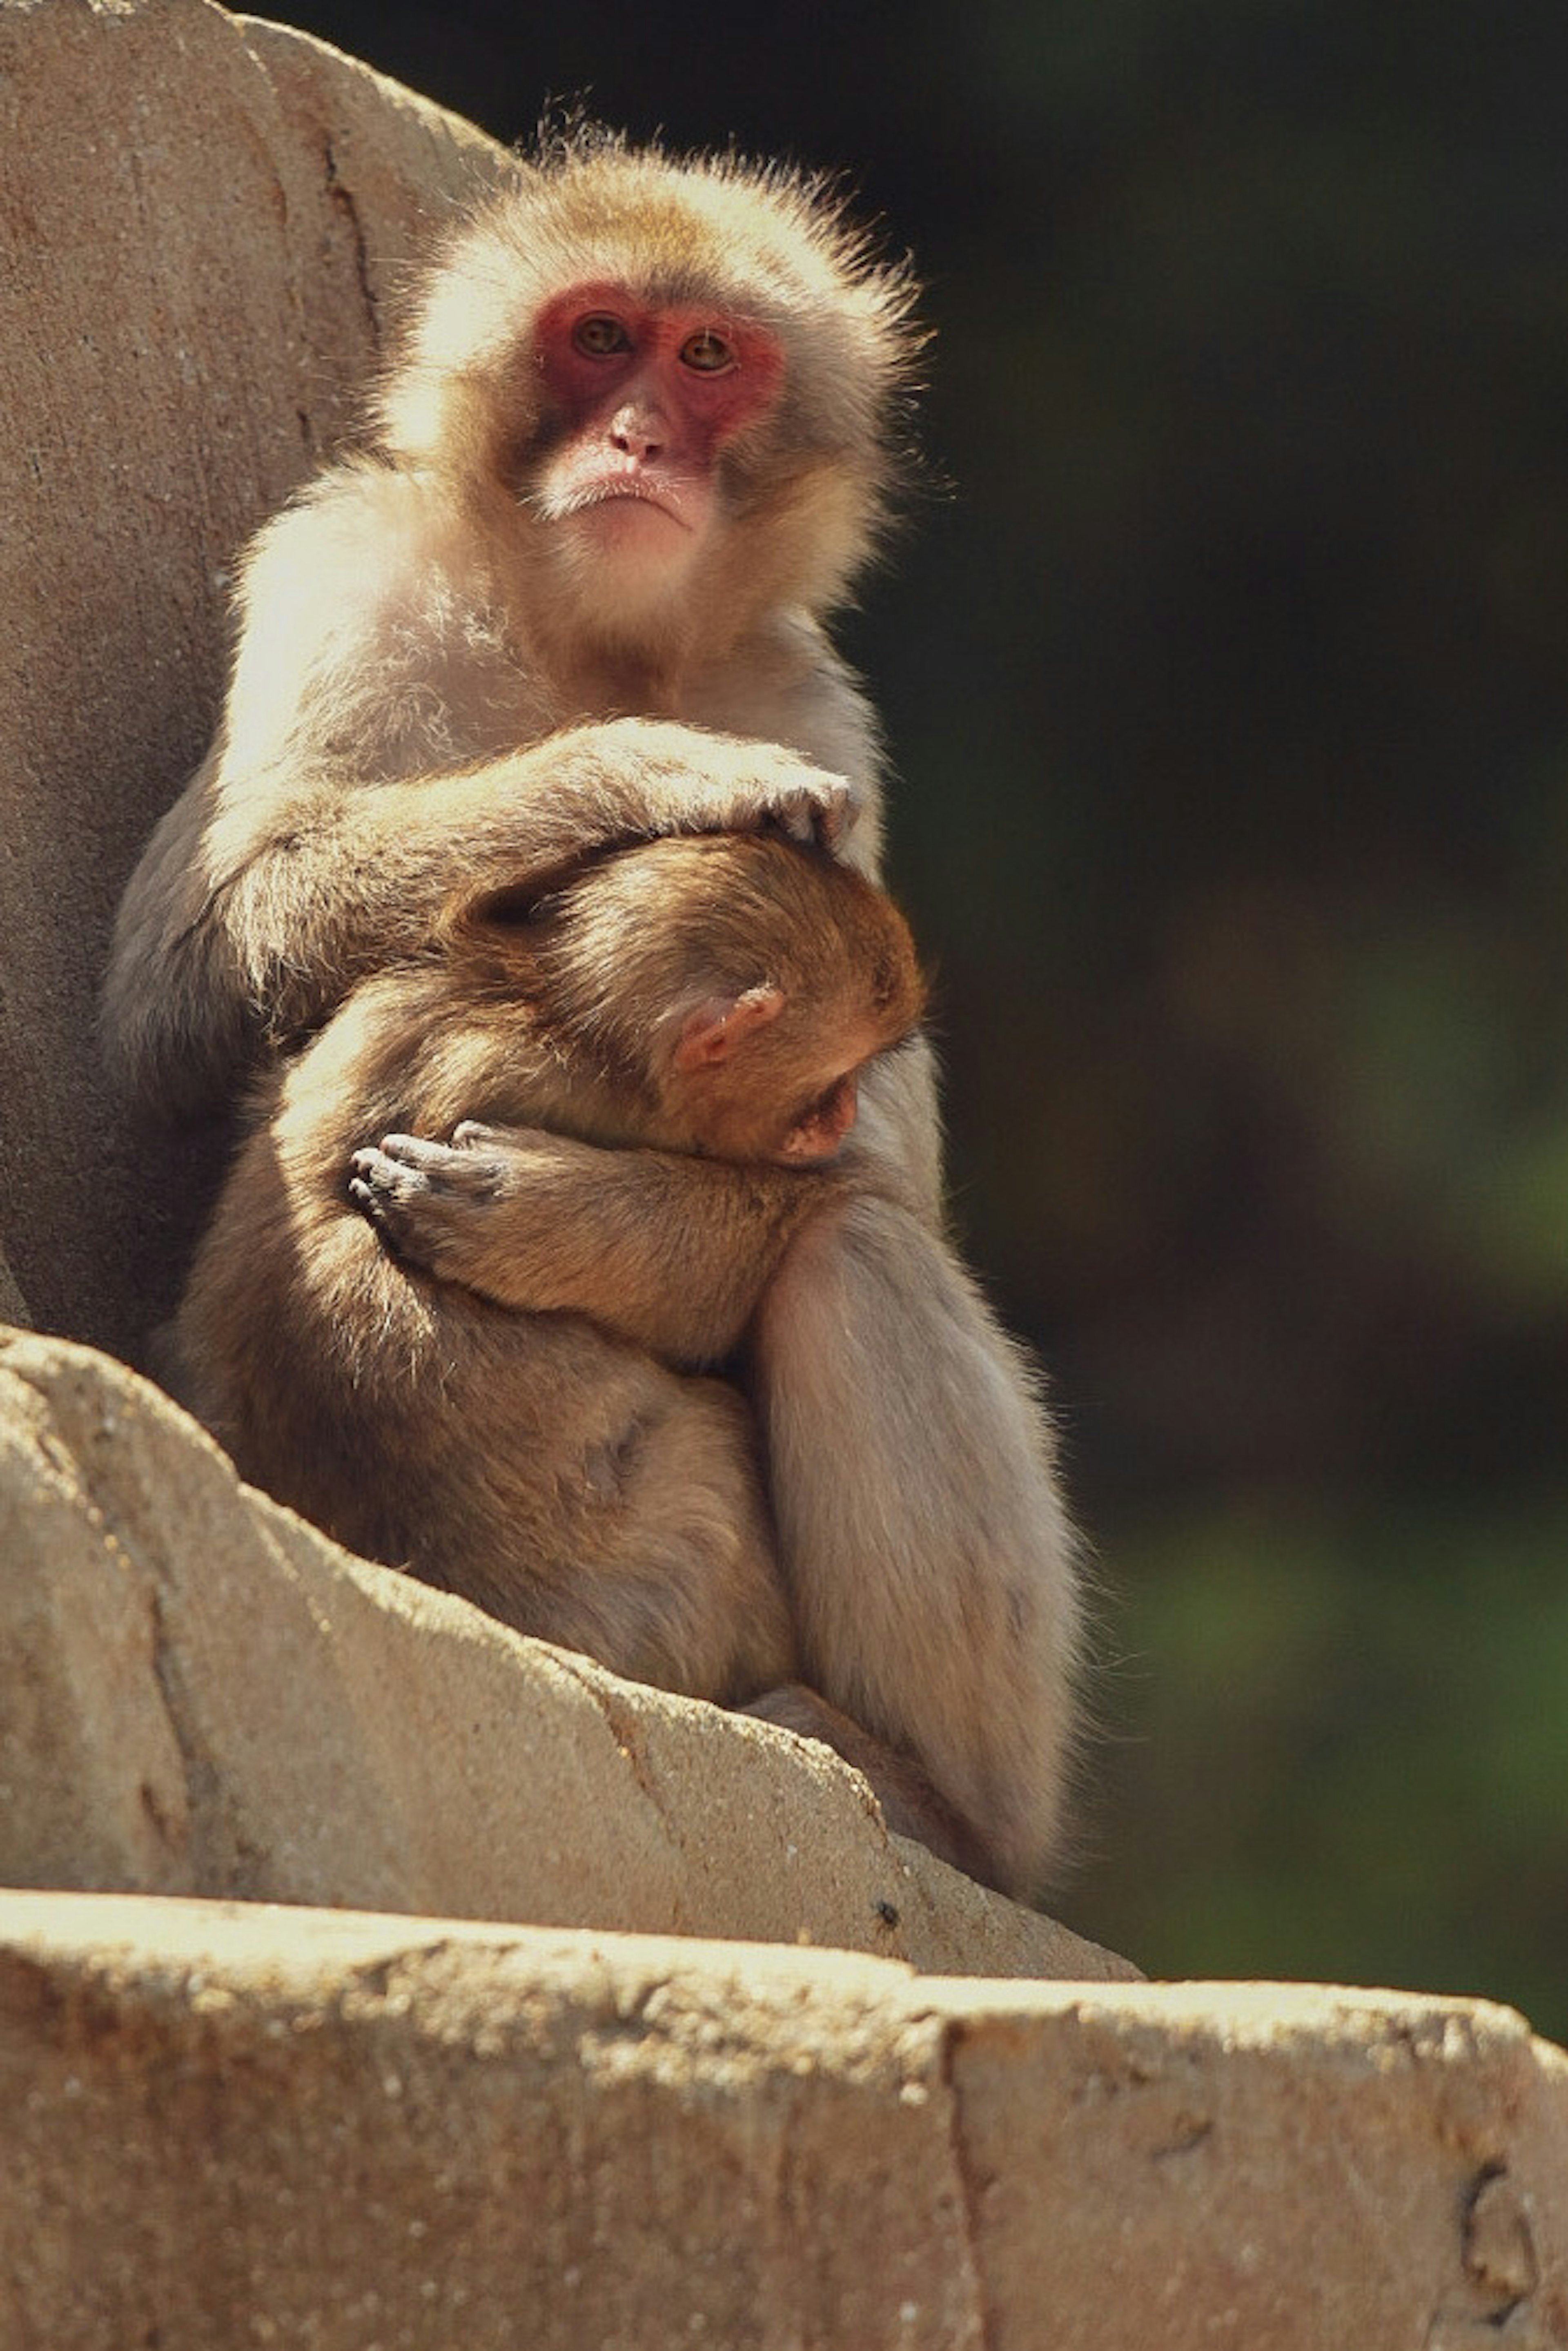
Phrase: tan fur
[546,1464]
[408,622]
[435,691]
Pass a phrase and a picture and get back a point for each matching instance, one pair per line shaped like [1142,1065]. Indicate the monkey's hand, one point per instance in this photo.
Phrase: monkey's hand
[809,805]
[431,1201]
[666,777]
[667,1251]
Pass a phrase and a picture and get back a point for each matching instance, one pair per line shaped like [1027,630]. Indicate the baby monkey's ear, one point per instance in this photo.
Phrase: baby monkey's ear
[712,1029]
[819,1135]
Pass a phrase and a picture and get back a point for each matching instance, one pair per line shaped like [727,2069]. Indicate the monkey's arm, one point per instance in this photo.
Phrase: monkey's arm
[385,741]
[668,1251]
[257,903]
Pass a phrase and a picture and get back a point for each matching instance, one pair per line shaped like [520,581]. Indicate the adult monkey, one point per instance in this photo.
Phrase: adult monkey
[637,447]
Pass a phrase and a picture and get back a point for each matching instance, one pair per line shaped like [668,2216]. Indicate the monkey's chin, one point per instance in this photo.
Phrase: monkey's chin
[625,523]
[630,553]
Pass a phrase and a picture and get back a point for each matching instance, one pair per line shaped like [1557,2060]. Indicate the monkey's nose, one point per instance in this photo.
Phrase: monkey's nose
[637,433]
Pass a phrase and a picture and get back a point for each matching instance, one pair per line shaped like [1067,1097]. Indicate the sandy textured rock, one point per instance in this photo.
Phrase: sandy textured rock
[203,219]
[302,2127]
[201,1695]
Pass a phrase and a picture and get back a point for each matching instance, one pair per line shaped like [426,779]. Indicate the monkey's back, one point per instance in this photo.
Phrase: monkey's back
[537,1464]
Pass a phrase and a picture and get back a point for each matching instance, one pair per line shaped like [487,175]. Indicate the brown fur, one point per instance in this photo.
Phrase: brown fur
[440,688]
[544,1463]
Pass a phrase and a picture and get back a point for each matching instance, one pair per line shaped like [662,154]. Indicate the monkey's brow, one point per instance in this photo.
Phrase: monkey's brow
[745,291]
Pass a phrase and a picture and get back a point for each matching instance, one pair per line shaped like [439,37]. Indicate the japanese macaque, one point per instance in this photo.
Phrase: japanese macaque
[711,996]
[637,447]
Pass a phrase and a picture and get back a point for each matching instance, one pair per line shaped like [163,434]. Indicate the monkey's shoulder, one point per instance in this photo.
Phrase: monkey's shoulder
[365,534]
[371,616]
[788,683]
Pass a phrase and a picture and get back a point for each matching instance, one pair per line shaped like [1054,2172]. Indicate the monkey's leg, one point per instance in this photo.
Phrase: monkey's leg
[930,1563]
[581,1493]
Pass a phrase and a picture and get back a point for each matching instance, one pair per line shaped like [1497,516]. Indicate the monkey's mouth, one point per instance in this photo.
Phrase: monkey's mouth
[596,498]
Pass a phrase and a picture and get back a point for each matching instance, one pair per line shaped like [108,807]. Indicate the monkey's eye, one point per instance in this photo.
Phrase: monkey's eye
[707,353]
[601,335]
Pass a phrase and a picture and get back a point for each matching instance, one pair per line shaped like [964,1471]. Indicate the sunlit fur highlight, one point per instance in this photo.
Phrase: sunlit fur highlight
[467,398]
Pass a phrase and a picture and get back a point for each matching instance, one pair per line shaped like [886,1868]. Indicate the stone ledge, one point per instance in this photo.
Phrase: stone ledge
[201,1695]
[297,2126]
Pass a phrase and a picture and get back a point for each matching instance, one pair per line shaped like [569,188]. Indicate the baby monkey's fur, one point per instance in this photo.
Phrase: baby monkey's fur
[573,1474]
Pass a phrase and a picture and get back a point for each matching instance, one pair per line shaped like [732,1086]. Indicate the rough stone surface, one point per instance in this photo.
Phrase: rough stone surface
[347,2131]
[199,1694]
[203,218]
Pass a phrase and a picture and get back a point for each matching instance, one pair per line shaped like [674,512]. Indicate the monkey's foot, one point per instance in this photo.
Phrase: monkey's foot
[428,1199]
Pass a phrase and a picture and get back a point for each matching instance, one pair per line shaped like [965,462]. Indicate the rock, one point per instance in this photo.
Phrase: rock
[314,2127]
[201,1695]
[204,217]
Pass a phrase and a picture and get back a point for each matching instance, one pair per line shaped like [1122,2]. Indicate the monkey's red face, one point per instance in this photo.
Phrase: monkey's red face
[647,400]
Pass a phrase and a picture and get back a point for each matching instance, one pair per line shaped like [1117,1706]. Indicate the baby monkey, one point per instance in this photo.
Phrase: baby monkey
[705,1002]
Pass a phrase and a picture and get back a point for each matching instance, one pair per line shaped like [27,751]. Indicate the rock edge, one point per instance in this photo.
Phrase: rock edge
[201,1695]
[326,2128]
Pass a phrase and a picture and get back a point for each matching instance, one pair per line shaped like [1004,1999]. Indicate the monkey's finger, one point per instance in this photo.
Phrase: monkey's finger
[819,811]
[414,1151]
[374,1179]
[380,1210]
[835,811]
[378,1186]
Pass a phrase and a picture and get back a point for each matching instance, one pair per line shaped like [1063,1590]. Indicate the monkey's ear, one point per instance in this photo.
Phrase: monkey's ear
[713,1028]
[819,1135]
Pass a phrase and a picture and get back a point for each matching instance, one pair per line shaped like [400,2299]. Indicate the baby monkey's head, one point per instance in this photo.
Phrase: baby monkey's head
[733,984]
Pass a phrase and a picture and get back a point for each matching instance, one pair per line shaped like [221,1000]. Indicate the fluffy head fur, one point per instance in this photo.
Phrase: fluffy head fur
[758,243]
[615,960]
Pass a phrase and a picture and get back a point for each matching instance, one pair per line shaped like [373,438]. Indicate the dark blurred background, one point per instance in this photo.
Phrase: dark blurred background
[1228,690]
